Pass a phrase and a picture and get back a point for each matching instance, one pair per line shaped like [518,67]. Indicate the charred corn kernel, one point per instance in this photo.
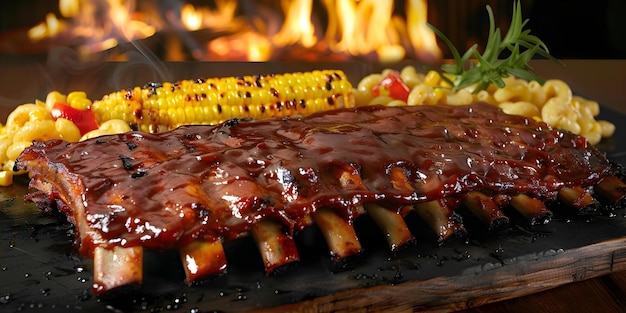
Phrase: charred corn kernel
[78,100]
[165,106]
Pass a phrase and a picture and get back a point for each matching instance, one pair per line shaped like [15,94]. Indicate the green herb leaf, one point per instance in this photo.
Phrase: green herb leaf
[481,70]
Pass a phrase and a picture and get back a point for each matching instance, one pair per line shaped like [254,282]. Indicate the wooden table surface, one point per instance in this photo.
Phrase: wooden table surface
[602,80]
[601,294]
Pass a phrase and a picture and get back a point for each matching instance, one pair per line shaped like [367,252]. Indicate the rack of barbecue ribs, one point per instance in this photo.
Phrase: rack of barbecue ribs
[197,187]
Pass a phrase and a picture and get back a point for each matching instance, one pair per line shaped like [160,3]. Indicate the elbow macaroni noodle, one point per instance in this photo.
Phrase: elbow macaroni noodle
[34,121]
[552,102]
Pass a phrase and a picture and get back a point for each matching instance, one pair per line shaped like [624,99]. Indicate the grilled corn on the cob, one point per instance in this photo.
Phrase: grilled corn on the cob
[158,107]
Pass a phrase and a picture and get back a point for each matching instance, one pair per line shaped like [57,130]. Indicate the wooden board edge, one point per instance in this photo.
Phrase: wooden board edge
[477,286]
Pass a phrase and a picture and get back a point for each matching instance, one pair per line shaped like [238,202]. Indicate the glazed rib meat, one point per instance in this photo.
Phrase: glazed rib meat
[197,187]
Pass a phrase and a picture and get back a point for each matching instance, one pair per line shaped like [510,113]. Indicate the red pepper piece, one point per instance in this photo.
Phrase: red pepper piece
[393,86]
[85,120]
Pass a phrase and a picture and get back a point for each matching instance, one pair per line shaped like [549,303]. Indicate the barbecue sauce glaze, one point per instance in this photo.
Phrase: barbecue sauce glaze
[213,182]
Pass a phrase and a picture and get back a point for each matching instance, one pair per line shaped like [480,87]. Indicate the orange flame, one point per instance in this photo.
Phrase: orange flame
[355,27]
[362,27]
[98,24]
[197,18]
[423,38]
[48,28]
[297,27]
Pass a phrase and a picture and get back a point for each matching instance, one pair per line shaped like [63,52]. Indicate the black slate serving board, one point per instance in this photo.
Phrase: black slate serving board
[41,271]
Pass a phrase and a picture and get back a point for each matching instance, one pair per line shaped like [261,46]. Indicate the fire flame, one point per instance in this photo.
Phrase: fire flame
[92,25]
[298,27]
[197,18]
[359,28]
[367,28]
[49,28]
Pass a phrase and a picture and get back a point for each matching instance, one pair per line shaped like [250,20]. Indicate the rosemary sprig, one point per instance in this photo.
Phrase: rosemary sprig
[490,68]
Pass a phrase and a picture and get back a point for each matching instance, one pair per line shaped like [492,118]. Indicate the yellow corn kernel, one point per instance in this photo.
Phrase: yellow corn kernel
[6,178]
[439,96]
[78,100]
[165,106]
[432,79]
[444,83]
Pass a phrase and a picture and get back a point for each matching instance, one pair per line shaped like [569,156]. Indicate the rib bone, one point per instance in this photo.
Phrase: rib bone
[117,267]
[576,197]
[440,219]
[202,258]
[339,234]
[276,247]
[532,209]
[612,189]
[392,224]
[483,207]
